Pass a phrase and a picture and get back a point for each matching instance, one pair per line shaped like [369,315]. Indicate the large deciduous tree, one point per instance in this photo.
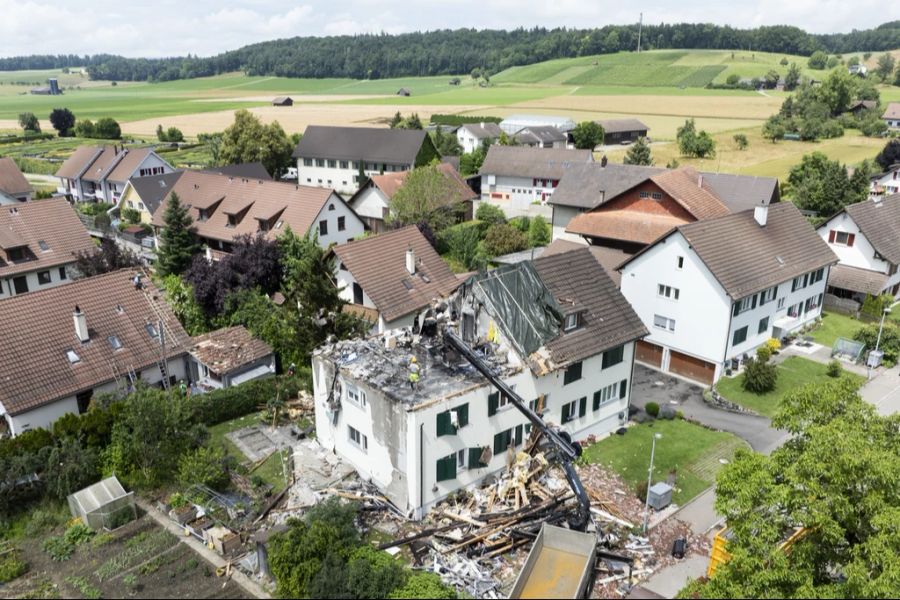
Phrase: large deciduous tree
[109,256]
[823,186]
[248,140]
[63,121]
[427,195]
[587,135]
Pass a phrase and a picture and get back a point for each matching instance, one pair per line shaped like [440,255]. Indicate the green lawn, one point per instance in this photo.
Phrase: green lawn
[691,450]
[793,373]
[270,471]
[835,325]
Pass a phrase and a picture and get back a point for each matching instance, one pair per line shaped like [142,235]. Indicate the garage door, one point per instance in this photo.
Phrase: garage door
[649,353]
[692,368]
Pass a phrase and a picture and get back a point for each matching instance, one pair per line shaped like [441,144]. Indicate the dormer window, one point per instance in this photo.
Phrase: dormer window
[14,254]
[203,214]
[232,220]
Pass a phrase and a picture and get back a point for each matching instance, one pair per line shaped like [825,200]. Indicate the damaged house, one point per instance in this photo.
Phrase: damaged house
[419,422]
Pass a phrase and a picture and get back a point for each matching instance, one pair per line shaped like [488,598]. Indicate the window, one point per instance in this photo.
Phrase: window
[446,468]
[505,439]
[44,277]
[813,303]
[62,273]
[114,342]
[680,262]
[794,311]
[20,284]
[644,194]
[656,196]
[573,373]
[320,162]
[72,356]
[341,221]
[345,164]
[739,336]
[323,227]
[662,322]
[613,391]
[571,322]
[330,206]
[332,164]
[356,395]
[496,401]
[450,421]
[817,276]
[780,303]
[613,357]
[841,238]
[800,282]
[202,214]
[539,405]
[768,295]
[461,460]
[667,291]
[358,439]
[763,325]
[744,304]
[43,246]
[574,409]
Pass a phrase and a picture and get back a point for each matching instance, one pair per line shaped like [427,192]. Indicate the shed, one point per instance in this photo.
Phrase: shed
[403,92]
[104,504]
[283,101]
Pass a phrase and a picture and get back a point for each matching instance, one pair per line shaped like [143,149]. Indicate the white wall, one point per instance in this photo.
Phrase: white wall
[370,203]
[353,226]
[8,290]
[520,191]
[469,142]
[861,254]
[342,180]
[562,216]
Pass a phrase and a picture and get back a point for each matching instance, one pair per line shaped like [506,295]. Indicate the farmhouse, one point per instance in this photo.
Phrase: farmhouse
[472,135]
[373,201]
[391,278]
[225,207]
[541,136]
[283,101]
[14,188]
[619,131]
[227,357]
[99,334]
[343,157]
[39,244]
[866,238]
[891,115]
[519,176]
[569,353]
[587,187]
[712,291]
[100,173]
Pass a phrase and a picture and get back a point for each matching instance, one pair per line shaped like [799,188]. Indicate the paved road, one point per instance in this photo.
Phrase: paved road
[665,390]
[883,391]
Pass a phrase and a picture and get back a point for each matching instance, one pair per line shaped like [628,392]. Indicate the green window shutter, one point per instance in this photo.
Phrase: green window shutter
[582,406]
[736,309]
[597,395]
[565,413]
[462,415]
[446,468]
[444,426]
[475,458]
[518,435]
[623,387]
[493,403]
[499,447]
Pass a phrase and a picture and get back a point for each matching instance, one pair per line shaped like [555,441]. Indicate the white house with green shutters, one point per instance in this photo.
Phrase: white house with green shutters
[569,353]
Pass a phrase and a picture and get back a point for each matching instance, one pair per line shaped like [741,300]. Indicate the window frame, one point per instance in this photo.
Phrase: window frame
[734,337]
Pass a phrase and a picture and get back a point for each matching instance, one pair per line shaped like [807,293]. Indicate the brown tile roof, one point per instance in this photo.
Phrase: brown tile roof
[11,179]
[226,350]
[378,264]
[892,111]
[523,161]
[98,169]
[457,191]
[626,225]
[79,161]
[609,320]
[880,223]
[746,258]
[53,222]
[299,204]
[609,258]
[38,330]
[687,187]
[857,280]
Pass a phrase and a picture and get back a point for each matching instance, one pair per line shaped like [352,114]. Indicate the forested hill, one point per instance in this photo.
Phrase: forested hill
[456,52]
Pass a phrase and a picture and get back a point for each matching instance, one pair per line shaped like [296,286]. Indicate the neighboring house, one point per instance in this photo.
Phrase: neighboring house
[587,187]
[541,136]
[39,244]
[98,334]
[641,214]
[337,157]
[283,101]
[144,194]
[472,135]
[520,176]
[618,131]
[225,207]
[391,278]
[712,291]
[373,201]
[891,115]
[252,170]
[866,238]
[100,173]
[569,353]
[227,357]
[885,184]
[858,69]
[516,123]
[860,106]
[14,188]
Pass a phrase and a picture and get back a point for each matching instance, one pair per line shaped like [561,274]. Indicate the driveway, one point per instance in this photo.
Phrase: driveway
[883,391]
[665,390]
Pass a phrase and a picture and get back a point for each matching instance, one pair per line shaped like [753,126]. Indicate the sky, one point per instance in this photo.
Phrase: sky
[206,27]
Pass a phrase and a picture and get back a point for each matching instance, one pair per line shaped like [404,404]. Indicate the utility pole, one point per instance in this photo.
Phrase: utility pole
[640,27]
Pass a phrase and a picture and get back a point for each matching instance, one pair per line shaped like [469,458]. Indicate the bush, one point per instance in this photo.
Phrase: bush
[652,409]
[520,223]
[759,377]
[733,79]
[889,344]
[539,232]
[763,353]
[205,466]
[741,141]
[424,585]
[490,214]
[131,215]
[78,533]
[834,368]
[11,566]
[773,345]
[229,403]
[503,239]
[58,548]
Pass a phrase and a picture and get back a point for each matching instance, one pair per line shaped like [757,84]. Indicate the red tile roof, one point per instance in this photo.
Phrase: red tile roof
[228,349]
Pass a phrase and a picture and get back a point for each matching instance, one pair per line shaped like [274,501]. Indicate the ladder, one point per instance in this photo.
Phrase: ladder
[166,334]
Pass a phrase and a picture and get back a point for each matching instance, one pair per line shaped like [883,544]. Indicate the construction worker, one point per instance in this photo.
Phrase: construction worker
[183,388]
[413,373]
[292,369]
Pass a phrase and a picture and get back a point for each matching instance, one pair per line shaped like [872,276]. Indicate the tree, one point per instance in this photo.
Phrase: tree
[833,61]
[733,79]
[85,128]
[446,143]
[366,573]
[107,129]
[889,155]
[818,60]
[109,256]
[838,90]
[741,141]
[29,122]
[161,134]
[587,135]
[177,243]
[424,585]
[180,297]
[63,121]
[205,466]
[248,140]
[772,78]
[427,195]
[70,466]
[490,213]
[639,153]
[836,477]
[792,78]
[704,146]
[213,142]
[539,232]
[503,239]
[822,185]
[773,128]
[884,67]
[470,162]
[395,120]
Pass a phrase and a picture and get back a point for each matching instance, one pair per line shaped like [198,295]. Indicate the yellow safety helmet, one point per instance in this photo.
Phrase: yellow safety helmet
[413,359]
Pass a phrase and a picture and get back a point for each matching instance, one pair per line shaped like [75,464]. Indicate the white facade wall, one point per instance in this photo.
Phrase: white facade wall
[371,203]
[469,142]
[862,254]
[562,216]
[520,192]
[330,213]
[8,290]
[341,175]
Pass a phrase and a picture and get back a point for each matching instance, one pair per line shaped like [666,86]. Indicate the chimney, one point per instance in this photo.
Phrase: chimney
[761,214]
[81,329]
[700,185]
[411,261]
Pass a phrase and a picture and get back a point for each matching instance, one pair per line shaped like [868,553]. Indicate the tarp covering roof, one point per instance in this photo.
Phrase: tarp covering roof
[523,306]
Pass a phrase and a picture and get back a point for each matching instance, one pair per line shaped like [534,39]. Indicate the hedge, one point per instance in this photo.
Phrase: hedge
[12,139]
[457,120]
[230,403]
